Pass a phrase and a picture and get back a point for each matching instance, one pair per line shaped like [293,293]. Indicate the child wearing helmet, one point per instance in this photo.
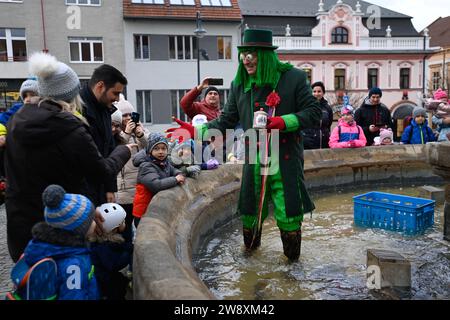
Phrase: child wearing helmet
[110,253]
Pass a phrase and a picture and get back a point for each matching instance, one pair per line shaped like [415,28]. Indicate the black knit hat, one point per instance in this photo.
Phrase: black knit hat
[211,88]
[375,90]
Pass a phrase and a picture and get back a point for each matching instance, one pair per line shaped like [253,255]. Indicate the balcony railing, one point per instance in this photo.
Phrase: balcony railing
[365,43]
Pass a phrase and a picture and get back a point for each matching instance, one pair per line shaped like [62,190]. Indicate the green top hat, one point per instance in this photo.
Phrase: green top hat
[257,38]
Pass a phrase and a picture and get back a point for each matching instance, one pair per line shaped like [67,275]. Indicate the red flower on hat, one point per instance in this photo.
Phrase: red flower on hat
[273,100]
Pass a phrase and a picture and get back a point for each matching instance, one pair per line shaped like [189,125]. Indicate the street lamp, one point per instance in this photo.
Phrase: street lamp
[199,33]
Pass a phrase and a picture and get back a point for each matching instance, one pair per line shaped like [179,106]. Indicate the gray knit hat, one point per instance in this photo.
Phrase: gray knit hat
[154,139]
[56,80]
[29,85]
[73,212]
[419,111]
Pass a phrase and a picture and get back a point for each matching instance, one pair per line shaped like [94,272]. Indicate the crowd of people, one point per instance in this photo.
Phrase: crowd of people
[81,171]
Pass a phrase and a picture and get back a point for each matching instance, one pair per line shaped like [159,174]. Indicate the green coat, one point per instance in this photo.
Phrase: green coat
[296,99]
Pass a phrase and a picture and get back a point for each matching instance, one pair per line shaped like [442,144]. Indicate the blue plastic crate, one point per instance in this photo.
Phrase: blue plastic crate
[393,212]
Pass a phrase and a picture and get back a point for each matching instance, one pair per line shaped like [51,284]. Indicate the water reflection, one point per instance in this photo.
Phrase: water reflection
[333,258]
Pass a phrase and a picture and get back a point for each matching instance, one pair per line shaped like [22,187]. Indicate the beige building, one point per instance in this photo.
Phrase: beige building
[439,62]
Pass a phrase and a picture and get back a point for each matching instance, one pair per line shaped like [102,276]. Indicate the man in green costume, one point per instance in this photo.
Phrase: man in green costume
[261,75]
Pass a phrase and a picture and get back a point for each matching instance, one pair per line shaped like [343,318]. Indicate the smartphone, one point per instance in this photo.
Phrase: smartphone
[135,117]
[215,82]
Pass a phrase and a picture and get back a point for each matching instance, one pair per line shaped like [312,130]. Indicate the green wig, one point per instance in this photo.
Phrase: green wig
[268,71]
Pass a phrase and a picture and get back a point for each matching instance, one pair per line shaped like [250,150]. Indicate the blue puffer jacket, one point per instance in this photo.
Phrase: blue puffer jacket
[75,271]
[418,134]
[4,116]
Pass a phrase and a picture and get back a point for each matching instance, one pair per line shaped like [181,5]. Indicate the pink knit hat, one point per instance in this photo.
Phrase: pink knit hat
[386,133]
[440,94]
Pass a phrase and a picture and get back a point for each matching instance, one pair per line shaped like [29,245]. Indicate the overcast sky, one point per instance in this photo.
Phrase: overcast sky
[424,12]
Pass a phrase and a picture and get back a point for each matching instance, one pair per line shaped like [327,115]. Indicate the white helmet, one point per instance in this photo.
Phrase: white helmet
[113,214]
[199,120]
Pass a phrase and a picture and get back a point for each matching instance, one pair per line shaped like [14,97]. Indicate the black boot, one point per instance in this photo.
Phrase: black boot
[250,243]
[292,242]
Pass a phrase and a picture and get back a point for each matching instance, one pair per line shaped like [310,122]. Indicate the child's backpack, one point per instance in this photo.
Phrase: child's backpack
[36,282]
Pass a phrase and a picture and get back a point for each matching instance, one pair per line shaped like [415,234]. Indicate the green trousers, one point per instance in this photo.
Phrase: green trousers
[274,191]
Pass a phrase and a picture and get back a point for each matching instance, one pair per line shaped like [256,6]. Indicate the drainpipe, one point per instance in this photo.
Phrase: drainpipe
[43,27]
[444,67]
[423,65]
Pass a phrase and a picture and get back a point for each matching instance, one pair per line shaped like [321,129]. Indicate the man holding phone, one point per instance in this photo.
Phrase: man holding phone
[209,106]
[373,115]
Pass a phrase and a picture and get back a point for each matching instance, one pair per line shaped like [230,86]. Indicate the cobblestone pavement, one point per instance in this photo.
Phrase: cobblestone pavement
[5,261]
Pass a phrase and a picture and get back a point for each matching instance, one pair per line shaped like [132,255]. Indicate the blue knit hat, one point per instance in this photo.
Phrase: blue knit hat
[72,212]
[56,79]
[375,90]
[29,85]
[154,139]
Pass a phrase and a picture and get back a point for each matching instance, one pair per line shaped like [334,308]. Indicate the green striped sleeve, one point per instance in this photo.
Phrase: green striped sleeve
[291,122]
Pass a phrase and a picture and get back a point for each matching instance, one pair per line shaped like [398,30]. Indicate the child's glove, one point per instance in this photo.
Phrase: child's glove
[193,171]
[352,144]
[212,164]
[176,133]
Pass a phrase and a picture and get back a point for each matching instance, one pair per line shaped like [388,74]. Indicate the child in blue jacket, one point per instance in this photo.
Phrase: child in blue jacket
[418,132]
[69,219]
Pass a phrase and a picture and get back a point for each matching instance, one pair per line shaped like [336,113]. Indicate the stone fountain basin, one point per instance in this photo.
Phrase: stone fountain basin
[438,156]
[178,220]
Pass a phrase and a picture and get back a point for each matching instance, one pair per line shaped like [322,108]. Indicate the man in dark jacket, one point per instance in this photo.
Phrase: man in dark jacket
[47,145]
[373,115]
[98,97]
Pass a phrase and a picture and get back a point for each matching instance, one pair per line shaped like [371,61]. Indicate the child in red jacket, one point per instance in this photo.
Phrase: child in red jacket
[155,174]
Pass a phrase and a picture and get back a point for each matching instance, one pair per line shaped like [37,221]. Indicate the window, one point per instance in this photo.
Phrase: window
[176,96]
[339,35]
[143,105]
[148,1]
[436,78]
[83,2]
[308,73]
[183,2]
[224,48]
[372,78]
[141,47]
[223,94]
[86,50]
[404,78]
[182,47]
[216,3]
[339,79]
[13,45]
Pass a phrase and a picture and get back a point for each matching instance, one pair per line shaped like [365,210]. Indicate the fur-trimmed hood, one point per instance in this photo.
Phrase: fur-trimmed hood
[51,242]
